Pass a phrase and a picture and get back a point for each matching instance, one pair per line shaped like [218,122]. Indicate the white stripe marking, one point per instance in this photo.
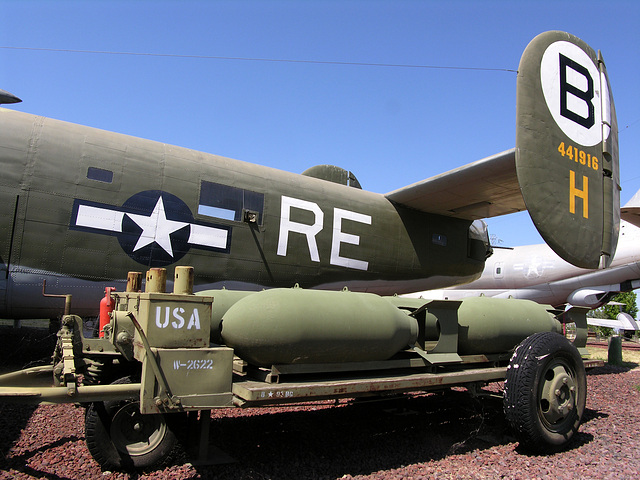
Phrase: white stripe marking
[208,236]
[99,218]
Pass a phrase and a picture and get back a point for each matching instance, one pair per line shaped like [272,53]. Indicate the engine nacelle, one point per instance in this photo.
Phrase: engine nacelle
[591,297]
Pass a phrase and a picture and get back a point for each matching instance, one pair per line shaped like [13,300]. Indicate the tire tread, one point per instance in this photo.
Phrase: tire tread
[521,388]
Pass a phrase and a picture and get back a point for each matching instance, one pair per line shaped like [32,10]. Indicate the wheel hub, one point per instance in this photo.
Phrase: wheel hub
[136,434]
[558,398]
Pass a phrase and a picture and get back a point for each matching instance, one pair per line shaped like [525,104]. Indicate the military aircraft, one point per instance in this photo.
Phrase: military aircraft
[535,272]
[80,207]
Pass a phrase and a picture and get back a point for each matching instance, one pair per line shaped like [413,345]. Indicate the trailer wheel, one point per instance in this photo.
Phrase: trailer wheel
[545,392]
[119,437]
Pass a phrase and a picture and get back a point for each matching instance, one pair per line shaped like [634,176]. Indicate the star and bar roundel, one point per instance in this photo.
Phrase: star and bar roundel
[154,228]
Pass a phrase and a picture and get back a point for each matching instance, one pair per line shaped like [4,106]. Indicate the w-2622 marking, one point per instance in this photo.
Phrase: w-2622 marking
[204,364]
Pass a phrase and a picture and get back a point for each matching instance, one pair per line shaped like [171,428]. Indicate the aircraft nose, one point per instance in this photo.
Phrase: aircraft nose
[6,97]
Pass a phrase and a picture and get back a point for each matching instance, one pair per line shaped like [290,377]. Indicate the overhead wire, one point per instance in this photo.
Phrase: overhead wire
[257,59]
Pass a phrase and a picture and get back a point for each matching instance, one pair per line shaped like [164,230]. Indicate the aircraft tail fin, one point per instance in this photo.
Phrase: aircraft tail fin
[567,148]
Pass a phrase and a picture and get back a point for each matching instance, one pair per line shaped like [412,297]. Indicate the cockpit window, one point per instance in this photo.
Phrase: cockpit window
[229,203]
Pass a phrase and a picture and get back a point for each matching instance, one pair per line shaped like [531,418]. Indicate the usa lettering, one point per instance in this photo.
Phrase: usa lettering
[177,318]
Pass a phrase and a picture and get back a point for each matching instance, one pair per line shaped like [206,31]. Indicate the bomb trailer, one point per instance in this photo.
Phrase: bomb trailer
[177,353]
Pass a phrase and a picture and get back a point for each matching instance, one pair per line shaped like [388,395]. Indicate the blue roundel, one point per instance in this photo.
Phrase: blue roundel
[155,228]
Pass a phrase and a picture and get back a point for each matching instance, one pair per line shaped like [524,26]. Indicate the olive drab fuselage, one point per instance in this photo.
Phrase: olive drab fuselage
[113,203]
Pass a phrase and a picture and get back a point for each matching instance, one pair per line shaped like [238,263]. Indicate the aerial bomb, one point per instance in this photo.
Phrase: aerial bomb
[493,325]
[288,326]
[223,299]
[484,324]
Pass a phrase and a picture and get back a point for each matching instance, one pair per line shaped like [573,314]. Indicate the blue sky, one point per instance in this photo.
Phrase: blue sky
[391,126]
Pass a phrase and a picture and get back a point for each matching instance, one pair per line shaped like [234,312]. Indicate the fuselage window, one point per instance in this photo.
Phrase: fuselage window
[439,239]
[100,174]
[229,203]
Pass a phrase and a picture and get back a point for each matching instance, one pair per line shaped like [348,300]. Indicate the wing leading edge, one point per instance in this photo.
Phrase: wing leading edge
[482,189]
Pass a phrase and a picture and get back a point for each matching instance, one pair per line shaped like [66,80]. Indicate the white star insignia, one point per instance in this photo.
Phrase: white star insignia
[156,228]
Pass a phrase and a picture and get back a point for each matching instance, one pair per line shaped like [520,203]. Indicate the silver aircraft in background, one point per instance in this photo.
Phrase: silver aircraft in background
[535,273]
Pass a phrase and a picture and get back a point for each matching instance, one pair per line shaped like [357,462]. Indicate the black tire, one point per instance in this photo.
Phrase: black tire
[119,437]
[545,392]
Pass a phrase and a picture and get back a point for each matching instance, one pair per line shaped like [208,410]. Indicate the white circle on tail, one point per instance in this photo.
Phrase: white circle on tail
[574,92]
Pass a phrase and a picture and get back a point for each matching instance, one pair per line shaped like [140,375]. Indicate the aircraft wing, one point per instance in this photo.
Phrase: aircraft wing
[623,321]
[483,189]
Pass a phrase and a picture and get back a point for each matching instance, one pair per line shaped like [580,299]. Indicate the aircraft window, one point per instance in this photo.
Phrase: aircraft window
[100,174]
[498,270]
[439,239]
[223,201]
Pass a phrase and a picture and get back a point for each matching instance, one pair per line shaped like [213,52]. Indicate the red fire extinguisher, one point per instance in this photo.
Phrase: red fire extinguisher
[106,307]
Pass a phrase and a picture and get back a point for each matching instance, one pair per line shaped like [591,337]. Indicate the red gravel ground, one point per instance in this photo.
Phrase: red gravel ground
[439,436]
